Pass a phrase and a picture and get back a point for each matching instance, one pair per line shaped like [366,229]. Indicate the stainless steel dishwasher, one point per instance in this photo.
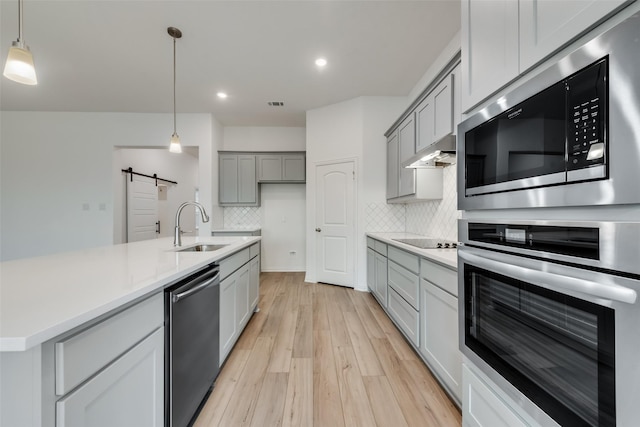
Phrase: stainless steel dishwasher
[192,310]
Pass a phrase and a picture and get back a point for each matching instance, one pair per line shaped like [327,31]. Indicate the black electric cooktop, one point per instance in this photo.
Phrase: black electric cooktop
[429,243]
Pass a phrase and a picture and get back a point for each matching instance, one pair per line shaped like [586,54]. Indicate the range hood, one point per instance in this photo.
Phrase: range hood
[439,154]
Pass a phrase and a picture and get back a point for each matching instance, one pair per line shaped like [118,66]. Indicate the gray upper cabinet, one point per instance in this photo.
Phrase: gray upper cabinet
[281,167]
[434,115]
[407,148]
[392,166]
[238,184]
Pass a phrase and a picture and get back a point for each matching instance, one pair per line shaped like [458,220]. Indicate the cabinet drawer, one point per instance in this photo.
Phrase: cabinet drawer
[405,259]
[235,261]
[482,408]
[404,283]
[443,277]
[254,250]
[380,247]
[405,316]
[82,355]
[371,243]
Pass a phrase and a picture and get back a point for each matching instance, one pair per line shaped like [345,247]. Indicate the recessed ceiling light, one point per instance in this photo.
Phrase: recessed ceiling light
[321,62]
[222,95]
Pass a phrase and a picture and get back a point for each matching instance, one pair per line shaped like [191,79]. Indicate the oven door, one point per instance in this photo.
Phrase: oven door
[554,337]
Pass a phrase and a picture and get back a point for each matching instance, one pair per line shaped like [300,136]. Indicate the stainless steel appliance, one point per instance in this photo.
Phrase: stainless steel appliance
[193,330]
[549,311]
[570,136]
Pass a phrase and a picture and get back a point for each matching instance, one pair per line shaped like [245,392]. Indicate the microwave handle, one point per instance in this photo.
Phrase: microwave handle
[608,291]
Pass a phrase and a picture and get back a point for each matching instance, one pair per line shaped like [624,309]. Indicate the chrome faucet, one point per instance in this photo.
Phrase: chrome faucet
[177,236]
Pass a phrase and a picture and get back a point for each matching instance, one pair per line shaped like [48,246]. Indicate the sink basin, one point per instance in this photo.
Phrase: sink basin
[201,248]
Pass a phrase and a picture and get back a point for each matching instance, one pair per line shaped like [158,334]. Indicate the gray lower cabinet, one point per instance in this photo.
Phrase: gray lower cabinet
[238,185]
[129,392]
[112,373]
[281,167]
[377,269]
[239,292]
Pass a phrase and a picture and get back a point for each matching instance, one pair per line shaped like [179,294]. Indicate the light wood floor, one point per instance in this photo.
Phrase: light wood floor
[321,355]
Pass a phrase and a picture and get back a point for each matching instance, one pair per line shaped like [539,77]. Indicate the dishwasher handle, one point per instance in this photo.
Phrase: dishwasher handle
[177,297]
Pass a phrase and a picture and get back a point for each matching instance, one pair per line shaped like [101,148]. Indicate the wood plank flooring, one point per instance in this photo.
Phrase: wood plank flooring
[322,355]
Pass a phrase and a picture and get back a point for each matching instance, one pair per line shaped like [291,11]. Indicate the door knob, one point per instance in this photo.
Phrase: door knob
[318,230]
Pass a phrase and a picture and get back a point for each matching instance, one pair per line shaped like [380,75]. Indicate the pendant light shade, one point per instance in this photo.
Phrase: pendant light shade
[174,146]
[19,66]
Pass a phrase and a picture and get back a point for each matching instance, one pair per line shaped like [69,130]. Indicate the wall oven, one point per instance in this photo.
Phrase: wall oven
[570,136]
[549,311]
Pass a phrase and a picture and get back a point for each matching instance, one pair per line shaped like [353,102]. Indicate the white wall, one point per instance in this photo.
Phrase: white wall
[181,168]
[56,177]
[283,227]
[264,138]
[352,129]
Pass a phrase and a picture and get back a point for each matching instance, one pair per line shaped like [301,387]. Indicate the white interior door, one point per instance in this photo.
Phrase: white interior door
[335,223]
[142,208]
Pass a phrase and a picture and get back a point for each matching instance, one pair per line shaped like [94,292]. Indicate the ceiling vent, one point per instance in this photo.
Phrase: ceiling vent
[276,103]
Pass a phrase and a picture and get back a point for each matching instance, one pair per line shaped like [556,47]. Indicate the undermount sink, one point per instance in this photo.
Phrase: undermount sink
[201,248]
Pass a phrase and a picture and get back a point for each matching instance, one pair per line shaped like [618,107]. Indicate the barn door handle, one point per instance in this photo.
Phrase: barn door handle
[318,230]
[158,227]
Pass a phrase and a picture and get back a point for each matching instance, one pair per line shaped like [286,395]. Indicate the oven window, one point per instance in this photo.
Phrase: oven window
[556,349]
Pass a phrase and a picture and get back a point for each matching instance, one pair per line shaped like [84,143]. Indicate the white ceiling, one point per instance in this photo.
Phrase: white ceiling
[116,55]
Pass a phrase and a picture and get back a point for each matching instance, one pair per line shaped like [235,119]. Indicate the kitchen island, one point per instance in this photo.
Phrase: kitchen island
[52,305]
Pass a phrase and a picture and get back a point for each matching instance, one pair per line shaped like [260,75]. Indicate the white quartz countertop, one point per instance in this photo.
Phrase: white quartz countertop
[448,257]
[249,229]
[43,297]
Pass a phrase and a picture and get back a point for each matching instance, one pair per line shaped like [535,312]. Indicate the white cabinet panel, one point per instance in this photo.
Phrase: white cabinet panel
[489,37]
[482,408]
[129,392]
[545,26]
[439,335]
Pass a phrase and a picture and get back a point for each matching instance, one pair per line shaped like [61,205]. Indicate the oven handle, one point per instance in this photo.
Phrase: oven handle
[608,291]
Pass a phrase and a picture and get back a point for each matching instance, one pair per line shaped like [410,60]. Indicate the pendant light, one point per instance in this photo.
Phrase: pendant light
[174,146]
[19,66]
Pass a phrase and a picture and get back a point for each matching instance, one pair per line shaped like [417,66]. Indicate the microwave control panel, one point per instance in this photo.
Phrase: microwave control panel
[587,127]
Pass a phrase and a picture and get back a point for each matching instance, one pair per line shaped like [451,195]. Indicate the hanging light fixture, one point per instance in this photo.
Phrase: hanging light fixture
[175,146]
[19,66]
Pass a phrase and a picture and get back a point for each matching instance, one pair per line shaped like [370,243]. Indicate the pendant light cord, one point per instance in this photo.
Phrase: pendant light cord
[20,21]
[174,85]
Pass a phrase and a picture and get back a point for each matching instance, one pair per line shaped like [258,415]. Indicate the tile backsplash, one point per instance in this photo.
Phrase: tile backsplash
[436,218]
[242,216]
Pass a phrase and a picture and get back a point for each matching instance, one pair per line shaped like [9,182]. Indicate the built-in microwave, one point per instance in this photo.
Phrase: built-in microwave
[570,136]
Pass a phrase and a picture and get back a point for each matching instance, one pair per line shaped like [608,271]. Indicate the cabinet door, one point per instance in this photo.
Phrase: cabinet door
[228,324]
[293,167]
[545,26]
[381,278]
[129,392]
[228,178]
[489,37]
[269,167]
[392,166]
[443,108]
[424,123]
[439,330]
[254,282]
[242,297]
[247,184]
[407,144]
[371,270]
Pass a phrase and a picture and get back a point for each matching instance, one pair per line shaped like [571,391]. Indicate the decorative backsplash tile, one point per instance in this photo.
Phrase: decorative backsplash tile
[437,218]
[242,216]
[383,217]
